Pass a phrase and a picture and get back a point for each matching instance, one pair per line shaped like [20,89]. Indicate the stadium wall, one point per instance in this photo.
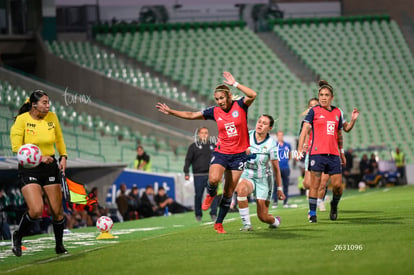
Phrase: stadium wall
[397,9]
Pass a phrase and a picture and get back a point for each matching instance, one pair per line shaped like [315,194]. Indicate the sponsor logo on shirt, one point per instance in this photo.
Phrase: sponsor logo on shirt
[330,128]
[30,132]
[230,129]
[50,125]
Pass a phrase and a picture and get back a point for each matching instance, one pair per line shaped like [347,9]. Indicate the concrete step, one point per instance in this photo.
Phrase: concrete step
[292,61]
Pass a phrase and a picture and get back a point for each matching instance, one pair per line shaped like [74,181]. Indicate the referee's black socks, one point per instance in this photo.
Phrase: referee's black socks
[25,225]
[58,227]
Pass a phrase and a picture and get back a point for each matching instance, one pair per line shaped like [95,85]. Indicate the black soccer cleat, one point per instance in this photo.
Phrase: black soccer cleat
[60,249]
[16,244]
[333,215]
[312,219]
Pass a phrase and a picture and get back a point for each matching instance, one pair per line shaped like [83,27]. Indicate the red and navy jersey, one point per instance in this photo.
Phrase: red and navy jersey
[325,125]
[233,135]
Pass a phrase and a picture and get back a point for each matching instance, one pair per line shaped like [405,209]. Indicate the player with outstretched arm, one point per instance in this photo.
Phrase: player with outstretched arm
[229,156]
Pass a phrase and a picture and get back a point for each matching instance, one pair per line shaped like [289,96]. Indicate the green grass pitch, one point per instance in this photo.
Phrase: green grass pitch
[374,234]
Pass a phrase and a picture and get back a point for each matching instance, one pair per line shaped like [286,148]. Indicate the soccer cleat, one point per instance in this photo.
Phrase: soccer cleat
[312,219]
[247,227]
[198,218]
[16,244]
[333,215]
[219,228]
[276,226]
[213,218]
[60,249]
[207,202]
[322,206]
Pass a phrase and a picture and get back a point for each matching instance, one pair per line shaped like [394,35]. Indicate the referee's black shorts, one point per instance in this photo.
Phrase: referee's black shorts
[44,174]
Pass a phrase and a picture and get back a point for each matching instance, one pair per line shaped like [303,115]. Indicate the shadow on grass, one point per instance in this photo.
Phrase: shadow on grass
[281,234]
[361,211]
[369,220]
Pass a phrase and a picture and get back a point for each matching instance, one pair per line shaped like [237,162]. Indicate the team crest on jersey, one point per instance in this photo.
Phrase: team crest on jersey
[235,114]
[330,128]
[230,129]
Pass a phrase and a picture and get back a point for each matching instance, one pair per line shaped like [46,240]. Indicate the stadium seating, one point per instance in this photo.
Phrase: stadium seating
[96,58]
[197,54]
[89,137]
[364,57]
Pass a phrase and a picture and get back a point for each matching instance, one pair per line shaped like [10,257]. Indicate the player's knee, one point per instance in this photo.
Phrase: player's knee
[241,190]
[35,213]
[214,180]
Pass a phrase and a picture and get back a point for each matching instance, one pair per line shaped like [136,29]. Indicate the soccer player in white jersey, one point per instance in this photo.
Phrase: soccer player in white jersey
[257,176]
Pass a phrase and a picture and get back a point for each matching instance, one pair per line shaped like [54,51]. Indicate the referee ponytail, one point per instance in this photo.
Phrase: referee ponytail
[34,98]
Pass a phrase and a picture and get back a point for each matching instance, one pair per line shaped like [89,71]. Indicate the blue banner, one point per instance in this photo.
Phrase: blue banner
[141,180]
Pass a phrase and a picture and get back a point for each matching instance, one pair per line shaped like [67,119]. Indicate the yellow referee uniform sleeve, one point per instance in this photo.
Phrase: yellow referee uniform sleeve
[60,142]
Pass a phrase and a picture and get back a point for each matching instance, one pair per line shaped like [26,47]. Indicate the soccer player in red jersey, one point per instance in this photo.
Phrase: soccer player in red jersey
[229,156]
[347,127]
[325,122]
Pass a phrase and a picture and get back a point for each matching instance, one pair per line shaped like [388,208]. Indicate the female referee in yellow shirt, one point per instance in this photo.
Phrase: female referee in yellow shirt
[36,125]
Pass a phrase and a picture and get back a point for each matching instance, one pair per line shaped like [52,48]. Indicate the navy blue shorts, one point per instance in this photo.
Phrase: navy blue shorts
[44,174]
[329,164]
[230,162]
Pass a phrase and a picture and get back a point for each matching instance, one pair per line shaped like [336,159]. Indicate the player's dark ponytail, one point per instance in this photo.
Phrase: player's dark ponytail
[324,84]
[34,98]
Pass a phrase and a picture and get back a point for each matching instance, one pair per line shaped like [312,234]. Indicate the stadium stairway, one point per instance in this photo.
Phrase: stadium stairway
[295,64]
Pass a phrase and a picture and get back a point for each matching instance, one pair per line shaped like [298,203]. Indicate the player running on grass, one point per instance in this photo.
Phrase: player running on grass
[325,121]
[229,155]
[325,177]
[257,178]
[347,127]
